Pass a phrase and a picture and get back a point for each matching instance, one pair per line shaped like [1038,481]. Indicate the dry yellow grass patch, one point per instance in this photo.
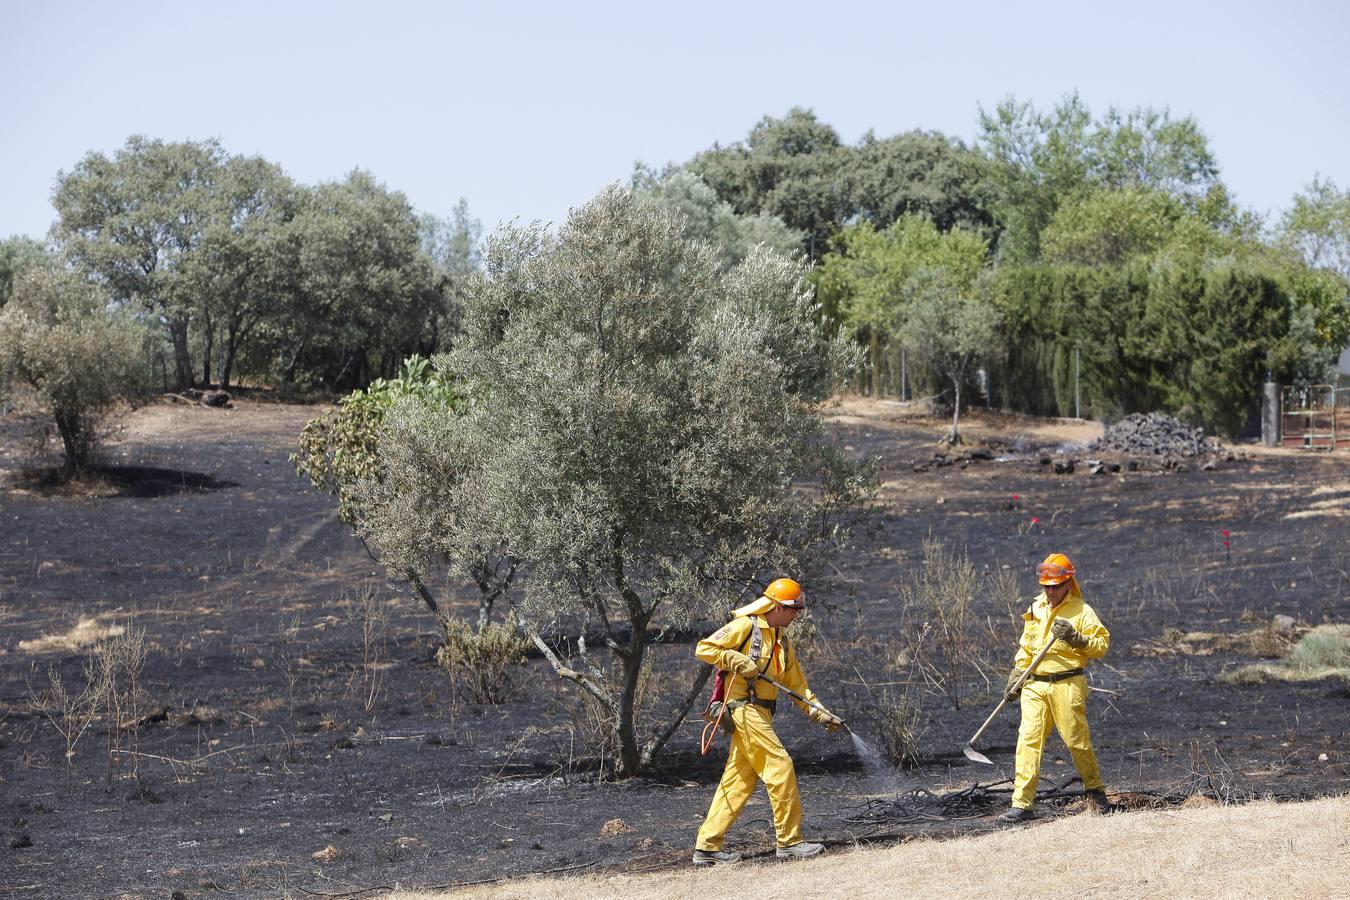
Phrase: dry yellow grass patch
[1256,850]
[86,633]
[1324,652]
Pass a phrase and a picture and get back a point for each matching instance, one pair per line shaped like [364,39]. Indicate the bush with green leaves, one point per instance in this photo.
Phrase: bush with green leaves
[60,339]
[341,447]
[339,451]
[872,278]
[636,420]
[481,663]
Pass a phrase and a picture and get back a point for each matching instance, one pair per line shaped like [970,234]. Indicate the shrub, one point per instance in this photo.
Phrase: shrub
[1323,652]
[340,448]
[1327,646]
[58,338]
[897,726]
[480,664]
[943,592]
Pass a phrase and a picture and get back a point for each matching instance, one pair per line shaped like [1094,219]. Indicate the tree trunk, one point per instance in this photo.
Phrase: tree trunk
[955,437]
[630,754]
[208,345]
[288,373]
[491,584]
[874,355]
[182,356]
[68,426]
[235,332]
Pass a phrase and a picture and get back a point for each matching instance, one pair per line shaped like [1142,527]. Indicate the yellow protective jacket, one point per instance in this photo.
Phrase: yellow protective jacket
[1036,623]
[777,660]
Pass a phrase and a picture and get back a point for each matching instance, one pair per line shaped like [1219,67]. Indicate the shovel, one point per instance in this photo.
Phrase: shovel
[971,753]
[792,693]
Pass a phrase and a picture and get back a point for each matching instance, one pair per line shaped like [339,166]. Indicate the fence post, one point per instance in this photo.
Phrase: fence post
[1270,414]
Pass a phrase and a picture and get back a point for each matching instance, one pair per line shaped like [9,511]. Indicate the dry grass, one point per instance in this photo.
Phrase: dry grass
[86,633]
[1270,640]
[1256,850]
[1324,652]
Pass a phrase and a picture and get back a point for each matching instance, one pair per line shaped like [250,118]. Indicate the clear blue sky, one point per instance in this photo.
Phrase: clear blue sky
[526,109]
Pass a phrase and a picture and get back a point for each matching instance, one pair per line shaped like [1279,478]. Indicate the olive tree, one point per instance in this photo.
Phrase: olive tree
[17,255]
[59,339]
[947,330]
[637,427]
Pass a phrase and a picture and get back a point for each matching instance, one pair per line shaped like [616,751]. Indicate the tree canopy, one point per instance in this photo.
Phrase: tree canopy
[637,415]
[58,337]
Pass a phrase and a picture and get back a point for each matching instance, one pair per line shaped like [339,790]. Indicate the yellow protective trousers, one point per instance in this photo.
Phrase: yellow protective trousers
[1062,705]
[756,754]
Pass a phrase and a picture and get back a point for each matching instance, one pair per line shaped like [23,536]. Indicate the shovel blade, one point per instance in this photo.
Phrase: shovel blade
[976,756]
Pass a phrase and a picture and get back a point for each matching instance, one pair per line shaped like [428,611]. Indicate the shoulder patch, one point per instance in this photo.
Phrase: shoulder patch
[720,633]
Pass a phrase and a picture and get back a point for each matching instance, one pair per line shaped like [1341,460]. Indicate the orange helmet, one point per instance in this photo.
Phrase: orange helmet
[785,592]
[1056,569]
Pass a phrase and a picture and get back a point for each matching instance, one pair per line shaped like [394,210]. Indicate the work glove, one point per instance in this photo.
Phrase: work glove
[1008,691]
[742,665]
[824,717]
[1064,630]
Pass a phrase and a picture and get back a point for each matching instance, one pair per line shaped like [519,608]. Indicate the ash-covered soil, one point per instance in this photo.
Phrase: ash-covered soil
[293,744]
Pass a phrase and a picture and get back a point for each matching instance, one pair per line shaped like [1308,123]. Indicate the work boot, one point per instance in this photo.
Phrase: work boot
[1099,801]
[803,850]
[713,857]
[1017,814]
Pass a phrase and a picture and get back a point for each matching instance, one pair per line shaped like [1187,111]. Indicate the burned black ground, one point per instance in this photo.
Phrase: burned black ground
[284,735]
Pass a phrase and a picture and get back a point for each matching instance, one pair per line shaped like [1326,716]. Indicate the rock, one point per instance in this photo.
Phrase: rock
[1045,460]
[1322,757]
[982,453]
[326,855]
[1064,467]
[20,841]
[1282,623]
[1208,466]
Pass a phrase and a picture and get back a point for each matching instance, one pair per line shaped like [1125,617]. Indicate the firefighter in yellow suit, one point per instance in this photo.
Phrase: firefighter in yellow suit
[1055,696]
[750,645]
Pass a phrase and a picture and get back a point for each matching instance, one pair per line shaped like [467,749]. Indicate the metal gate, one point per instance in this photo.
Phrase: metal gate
[1315,417]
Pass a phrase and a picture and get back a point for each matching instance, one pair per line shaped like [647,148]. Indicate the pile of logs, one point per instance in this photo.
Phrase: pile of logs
[1144,434]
